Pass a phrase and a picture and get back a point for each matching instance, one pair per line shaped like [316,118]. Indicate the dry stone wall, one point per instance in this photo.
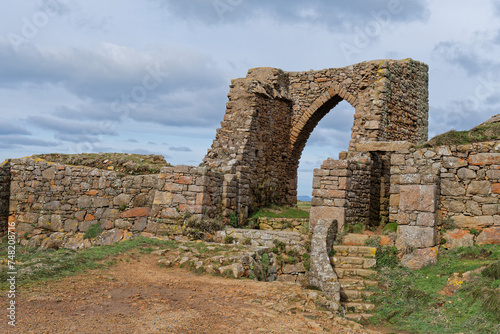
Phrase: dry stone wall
[54,205]
[351,190]
[454,190]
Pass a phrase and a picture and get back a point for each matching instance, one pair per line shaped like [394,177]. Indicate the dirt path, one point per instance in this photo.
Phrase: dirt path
[138,296]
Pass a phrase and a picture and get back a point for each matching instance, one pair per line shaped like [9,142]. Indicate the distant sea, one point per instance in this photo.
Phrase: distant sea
[304,198]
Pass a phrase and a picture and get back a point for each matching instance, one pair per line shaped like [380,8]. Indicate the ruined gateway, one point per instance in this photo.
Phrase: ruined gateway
[253,161]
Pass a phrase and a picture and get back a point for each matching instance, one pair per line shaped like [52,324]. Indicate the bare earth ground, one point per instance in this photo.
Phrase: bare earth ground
[139,296]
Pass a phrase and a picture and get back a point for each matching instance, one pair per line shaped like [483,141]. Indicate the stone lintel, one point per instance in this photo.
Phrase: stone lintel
[384,146]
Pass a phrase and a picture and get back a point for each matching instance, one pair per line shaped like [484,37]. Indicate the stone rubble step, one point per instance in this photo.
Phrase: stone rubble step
[355,251]
[360,317]
[353,262]
[354,295]
[352,284]
[354,273]
[354,239]
[356,307]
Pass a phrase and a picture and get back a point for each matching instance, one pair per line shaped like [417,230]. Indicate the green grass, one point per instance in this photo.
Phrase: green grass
[481,133]
[409,300]
[38,265]
[122,163]
[275,211]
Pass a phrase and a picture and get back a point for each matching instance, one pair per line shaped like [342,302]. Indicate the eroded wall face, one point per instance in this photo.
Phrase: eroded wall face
[4,196]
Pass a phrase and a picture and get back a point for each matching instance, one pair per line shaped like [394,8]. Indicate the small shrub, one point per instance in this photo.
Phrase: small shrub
[247,241]
[233,220]
[265,260]
[390,228]
[356,228]
[93,231]
[449,224]
[474,232]
[372,241]
[279,246]
[123,207]
[387,257]
[229,239]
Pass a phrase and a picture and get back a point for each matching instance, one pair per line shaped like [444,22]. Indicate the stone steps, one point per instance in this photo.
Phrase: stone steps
[355,251]
[354,263]
[355,273]
[354,295]
[354,307]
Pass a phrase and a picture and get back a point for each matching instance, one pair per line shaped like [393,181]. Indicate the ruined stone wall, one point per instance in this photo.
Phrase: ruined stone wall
[407,109]
[468,177]
[456,186]
[342,190]
[271,114]
[4,196]
[50,199]
[353,190]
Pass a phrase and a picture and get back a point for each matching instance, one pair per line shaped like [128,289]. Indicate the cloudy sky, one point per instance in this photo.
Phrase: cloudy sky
[151,76]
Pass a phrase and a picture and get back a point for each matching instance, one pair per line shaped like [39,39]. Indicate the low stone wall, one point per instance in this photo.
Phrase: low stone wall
[284,224]
[289,258]
[48,198]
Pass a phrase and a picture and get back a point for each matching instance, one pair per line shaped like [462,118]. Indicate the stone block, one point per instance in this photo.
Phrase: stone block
[84,202]
[49,173]
[420,258]
[452,188]
[136,212]
[415,236]
[173,187]
[23,228]
[384,146]
[326,212]
[85,225]
[491,209]
[476,222]
[418,197]
[489,236]
[99,202]
[426,219]
[326,193]
[186,180]
[70,225]
[479,188]
[140,224]
[410,179]
[484,159]
[495,187]
[473,208]
[203,199]
[163,198]
[122,199]
[453,206]
[465,173]
[493,174]
[458,238]
[109,237]
[454,162]
[190,208]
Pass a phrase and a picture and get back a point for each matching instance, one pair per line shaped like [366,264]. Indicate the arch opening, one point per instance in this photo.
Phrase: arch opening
[329,137]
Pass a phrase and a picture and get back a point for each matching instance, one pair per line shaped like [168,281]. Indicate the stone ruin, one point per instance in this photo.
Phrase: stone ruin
[383,177]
